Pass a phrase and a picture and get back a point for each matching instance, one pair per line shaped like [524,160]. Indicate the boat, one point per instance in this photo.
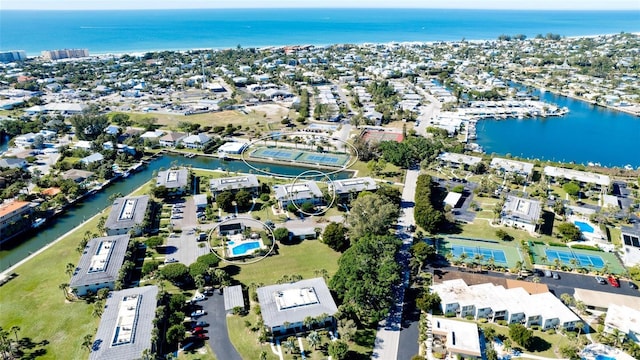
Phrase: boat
[126,174]
[628,167]
[38,222]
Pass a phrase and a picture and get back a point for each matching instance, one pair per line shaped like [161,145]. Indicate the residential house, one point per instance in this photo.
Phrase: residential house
[460,339]
[14,219]
[196,141]
[172,139]
[231,228]
[100,264]
[127,215]
[234,184]
[285,307]
[176,181]
[352,187]
[126,326]
[13,163]
[298,193]
[95,157]
[521,213]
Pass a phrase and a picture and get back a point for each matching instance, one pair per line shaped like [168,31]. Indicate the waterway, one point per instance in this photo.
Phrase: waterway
[588,133]
[98,202]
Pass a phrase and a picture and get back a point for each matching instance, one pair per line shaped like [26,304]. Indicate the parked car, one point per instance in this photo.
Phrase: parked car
[199,297]
[600,280]
[202,323]
[613,281]
[633,285]
[198,313]
[197,329]
[555,275]
[170,260]
[202,336]
[547,273]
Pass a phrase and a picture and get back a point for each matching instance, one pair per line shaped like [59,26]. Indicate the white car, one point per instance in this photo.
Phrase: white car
[198,297]
[170,260]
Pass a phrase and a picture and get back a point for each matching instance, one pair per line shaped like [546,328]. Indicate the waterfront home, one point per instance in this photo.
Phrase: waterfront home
[175,181]
[196,141]
[234,184]
[456,161]
[582,177]
[520,213]
[298,193]
[14,218]
[461,339]
[100,264]
[630,244]
[513,305]
[508,166]
[172,139]
[232,147]
[127,215]
[95,157]
[126,326]
[352,187]
[152,135]
[77,175]
[13,163]
[286,306]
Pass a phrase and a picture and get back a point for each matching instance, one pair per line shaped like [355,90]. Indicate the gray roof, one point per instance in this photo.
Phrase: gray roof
[459,158]
[354,185]
[200,200]
[127,212]
[172,179]
[233,297]
[522,210]
[234,183]
[115,316]
[514,166]
[298,191]
[98,253]
[275,316]
[76,174]
[635,230]
[12,163]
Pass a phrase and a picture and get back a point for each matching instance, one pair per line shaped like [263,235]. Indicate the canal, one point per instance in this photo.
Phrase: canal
[588,133]
[12,253]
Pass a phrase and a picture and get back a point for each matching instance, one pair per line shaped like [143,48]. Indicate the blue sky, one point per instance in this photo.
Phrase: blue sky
[442,4]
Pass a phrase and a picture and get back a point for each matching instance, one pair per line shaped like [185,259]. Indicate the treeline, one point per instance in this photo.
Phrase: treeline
[426,214]
[303,113]
[412,150]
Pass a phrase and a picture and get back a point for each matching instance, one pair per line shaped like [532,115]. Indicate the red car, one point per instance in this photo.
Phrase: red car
[202,336]
[197,329]
[613,281]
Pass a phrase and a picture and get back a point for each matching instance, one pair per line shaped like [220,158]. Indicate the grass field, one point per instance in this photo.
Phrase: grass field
[34,302]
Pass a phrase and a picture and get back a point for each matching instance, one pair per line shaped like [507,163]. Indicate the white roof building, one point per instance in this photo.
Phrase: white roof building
[459,159]
[462,337]
[625,319]
[298,193]
[452,199]
[514,305]
[520,212]
[581,176]
[512,166]
[232,147]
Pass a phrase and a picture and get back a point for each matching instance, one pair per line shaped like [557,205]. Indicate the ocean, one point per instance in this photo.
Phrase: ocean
[147,30]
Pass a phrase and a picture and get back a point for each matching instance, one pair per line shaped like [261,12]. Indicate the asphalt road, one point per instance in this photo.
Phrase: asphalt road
[218,334]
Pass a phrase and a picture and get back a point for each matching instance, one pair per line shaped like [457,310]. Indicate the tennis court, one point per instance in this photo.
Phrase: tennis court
[565,258]
[324,159]
[486,254]
[503,255]
[276,153]
[300,156]
[376,136]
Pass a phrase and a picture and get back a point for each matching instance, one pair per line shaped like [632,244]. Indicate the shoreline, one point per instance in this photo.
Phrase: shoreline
[142,52]
[13,267]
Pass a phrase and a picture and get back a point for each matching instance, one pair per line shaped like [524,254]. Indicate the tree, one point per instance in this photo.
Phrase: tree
[175,334]
[370,214]
[567,299]
[347,329]
[572,188]
[154,241]
[334,236]
[64,287]
[198,268]
[367,273]
[225,200]
[521,335]
[211,260]
[175,272]
[243,199]
[281,234]
[87,342]
[569,231]
[422,252]
[428,301]
[338,350]
[89,125]
[314,339]
[289,344]
[503,235]
[15,329]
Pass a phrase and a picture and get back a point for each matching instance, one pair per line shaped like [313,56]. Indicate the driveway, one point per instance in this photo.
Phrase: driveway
[218,333]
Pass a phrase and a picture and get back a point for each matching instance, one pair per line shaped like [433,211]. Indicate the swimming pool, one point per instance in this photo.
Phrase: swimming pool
[245,248]
[583,226]
[231,243]
[604,357]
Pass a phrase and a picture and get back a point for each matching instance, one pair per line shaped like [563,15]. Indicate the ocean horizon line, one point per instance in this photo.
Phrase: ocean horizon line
[331,8]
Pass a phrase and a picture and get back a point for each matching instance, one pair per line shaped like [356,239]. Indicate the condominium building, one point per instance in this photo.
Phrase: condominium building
[100,264]
[127,215]
[64,54]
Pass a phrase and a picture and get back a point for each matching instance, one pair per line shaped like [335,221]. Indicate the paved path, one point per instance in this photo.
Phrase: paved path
[388,336]
[218,334]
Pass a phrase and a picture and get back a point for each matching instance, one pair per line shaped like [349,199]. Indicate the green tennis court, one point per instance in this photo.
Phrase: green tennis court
[479,250]
[591,260]
[301,156]
[276,153]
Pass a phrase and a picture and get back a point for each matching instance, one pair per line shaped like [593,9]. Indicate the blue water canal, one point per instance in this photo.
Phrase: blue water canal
[98,202]
[588,133]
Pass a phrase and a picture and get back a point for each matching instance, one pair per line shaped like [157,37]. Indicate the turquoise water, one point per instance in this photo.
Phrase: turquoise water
[231,242]
[245,248]
[583,226]
[604,357]
[587,134]
[144,30]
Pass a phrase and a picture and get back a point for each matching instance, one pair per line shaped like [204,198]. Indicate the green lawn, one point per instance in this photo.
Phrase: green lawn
[34,302]
[552,342]
[245,341]
[303,259]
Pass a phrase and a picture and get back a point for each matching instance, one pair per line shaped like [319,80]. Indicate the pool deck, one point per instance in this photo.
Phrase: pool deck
[591,351]
[239,240]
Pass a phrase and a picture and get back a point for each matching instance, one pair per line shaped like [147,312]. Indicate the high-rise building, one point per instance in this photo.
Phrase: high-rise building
[13,55]
[64,54]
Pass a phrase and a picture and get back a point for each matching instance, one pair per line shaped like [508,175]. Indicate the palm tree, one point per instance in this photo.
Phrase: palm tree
[15,329]
[556,263]
[86,341]
[308,322]
[64,287]
[263,355]
[69,269]
[289,344]
[314,339]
